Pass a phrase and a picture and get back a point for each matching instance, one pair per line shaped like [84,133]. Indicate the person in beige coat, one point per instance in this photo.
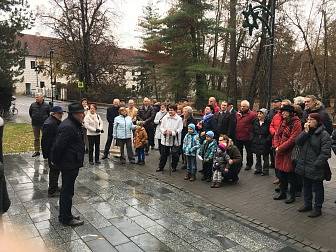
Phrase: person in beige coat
[94,126]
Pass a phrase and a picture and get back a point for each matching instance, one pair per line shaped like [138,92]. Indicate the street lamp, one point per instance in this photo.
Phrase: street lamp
[51,55]
[252,15]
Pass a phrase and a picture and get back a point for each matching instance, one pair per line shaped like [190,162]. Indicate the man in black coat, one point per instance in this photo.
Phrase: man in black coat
[315,106]
[112,112]
[147,114]
[38,111]
[221,120]
[49,131]
[68,155]
[232,121]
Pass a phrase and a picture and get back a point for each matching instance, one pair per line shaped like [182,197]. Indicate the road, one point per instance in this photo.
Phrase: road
[23,104]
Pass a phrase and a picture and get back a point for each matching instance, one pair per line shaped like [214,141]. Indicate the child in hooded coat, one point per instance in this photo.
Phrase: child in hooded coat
[220,165]
[190,147]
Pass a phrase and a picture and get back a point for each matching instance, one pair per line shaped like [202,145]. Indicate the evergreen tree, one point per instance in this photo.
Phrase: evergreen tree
[15,17]
[183,35]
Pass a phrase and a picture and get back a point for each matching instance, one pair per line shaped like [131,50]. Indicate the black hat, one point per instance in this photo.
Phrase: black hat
[277,100]
[288,108]
[75,107]
[57,109]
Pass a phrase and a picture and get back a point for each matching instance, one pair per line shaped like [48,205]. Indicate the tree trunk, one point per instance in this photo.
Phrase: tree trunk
[232,78]
[326,96]
[225,50]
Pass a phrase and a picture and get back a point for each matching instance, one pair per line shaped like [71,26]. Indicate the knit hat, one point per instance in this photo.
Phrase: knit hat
[316,116]
[210,134]
[222,146]
[263,110]
[192,126]
[288,108]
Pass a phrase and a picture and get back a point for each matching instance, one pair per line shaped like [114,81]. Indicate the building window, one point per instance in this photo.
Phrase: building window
[42,85]
[133,72]
[32,64]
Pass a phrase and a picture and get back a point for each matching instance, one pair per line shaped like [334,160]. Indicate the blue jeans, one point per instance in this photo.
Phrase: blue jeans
[191,165]
[141,154]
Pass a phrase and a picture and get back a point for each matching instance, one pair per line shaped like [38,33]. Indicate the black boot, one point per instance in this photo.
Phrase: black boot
[281,196]
[290,200]
[305,209]
[315,213]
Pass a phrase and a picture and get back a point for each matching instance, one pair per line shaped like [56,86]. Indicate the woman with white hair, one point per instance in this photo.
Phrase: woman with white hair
[157,120]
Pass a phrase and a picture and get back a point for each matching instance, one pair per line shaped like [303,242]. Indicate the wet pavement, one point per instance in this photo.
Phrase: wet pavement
[125,209]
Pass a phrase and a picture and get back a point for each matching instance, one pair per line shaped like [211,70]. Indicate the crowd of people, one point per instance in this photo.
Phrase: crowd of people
[294,138]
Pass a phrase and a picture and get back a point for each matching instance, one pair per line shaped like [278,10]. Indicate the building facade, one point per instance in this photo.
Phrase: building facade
[37,77]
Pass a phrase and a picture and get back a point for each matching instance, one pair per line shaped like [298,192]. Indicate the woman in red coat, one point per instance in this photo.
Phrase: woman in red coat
[284,142]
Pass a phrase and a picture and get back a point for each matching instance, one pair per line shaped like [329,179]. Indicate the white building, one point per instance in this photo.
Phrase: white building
[39,51]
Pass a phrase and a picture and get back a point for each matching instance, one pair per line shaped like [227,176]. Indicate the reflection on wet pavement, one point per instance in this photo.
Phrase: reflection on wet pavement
[123,210]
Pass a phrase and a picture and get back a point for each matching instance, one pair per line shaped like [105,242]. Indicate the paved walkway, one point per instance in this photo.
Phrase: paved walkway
[127,209]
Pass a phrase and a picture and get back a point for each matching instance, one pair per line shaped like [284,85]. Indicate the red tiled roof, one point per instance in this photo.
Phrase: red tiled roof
[39,46]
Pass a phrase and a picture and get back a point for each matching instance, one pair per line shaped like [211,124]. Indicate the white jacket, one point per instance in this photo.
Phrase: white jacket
[93,122]
[157,120]
[175,125]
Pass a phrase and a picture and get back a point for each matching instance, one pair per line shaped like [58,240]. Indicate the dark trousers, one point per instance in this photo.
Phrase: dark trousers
[165,152]
[232,175]
[108,145]
[313,186]
[151,133]
[287,179]
[141,154]
[94,143]
[67,192]
[207,169]
[264,167]
[272,155]
[160,145]
[53,177]
[249,154]
[128,142]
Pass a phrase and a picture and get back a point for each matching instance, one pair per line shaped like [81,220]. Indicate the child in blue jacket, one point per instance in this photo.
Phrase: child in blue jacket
[190,147]
[207,152]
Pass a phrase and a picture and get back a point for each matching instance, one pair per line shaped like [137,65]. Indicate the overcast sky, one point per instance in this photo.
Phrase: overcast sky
[129,11]
[126,30]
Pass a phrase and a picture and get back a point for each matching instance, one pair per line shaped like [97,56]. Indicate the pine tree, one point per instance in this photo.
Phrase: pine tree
[184,35]
[16,17]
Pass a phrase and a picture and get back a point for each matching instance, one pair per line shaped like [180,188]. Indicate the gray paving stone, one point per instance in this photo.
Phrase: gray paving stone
[144,221]
[128,247]
[100,245]
[127,226]
[147,242]
[113,235]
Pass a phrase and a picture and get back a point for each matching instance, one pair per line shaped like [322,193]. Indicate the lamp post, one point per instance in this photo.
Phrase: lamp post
[252,16]
[51,55]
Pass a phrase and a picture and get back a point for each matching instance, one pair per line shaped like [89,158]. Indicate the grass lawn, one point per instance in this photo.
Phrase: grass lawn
[18,137]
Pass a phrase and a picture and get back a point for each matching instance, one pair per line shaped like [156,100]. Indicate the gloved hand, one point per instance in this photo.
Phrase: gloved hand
[97,130]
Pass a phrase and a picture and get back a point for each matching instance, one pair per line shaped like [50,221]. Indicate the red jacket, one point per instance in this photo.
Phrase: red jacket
[244,126]
[284,140]
[275,125]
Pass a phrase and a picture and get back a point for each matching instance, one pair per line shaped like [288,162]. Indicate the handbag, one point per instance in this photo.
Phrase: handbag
[115,149]
[295,153]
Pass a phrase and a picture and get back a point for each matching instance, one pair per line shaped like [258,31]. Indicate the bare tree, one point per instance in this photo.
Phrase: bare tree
[85,42]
